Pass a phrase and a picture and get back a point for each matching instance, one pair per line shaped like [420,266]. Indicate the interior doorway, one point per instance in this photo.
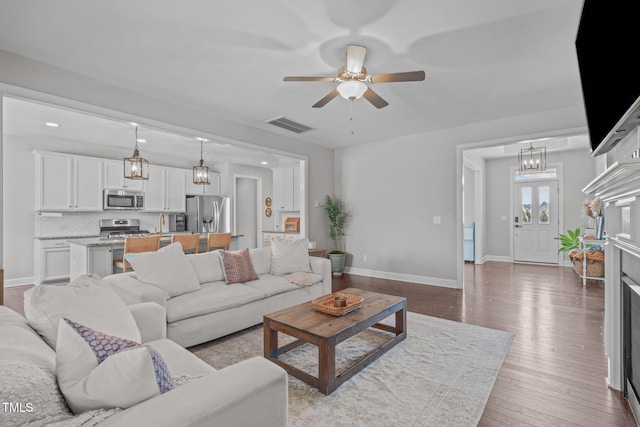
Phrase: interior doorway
[247,196]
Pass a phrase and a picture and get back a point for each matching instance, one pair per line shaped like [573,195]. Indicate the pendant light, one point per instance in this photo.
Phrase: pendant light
[136,167]
[200,171]
[533,159]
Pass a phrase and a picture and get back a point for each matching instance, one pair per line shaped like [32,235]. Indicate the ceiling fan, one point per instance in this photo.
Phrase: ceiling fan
[353,79]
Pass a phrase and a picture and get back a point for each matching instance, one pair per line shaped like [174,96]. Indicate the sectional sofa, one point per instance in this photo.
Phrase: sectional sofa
[202,305]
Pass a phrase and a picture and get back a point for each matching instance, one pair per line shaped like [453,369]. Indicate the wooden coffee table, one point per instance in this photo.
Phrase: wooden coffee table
[326,331]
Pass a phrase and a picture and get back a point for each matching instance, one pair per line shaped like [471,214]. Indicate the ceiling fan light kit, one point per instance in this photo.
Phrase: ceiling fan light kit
[136,167]
[353,79]
[352,89]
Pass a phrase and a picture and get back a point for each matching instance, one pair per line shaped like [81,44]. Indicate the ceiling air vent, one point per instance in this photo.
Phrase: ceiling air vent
[288,124]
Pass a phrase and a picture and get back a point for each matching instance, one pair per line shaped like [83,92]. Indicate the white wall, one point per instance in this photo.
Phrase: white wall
[394,189]
[21,76]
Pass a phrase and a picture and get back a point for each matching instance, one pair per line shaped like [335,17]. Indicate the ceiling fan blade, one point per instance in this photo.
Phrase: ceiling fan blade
[409,76]
[326,99]
[355,58]
[309,79]
[375,99]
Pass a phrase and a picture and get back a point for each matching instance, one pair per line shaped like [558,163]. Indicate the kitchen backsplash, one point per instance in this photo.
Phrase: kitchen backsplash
[86,223]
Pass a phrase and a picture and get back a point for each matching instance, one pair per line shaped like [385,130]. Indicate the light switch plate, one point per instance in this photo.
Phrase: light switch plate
[437,220]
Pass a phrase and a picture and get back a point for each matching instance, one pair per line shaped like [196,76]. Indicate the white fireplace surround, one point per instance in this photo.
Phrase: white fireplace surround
[619,188]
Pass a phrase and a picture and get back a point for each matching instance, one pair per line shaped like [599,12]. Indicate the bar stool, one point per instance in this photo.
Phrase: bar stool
[190,242]
[137,244]
[218,240]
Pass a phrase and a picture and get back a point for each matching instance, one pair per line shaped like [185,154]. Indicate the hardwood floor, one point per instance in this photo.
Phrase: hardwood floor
[555,371]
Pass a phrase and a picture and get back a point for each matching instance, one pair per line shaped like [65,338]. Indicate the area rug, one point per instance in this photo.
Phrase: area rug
[441,375]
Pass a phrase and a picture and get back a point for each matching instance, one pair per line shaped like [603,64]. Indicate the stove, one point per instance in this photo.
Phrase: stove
[121,228]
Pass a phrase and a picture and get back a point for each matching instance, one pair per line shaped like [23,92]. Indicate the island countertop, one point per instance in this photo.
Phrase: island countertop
[119,243]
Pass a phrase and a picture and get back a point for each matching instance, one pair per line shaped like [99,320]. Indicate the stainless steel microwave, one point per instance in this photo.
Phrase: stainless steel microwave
[123,199]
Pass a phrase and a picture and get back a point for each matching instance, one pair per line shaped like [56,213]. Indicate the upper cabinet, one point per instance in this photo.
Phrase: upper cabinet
[68,183]
[114,177]
[212,189]
[286,189]
[165,190]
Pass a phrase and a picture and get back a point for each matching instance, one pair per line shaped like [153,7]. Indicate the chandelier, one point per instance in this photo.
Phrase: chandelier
[533,159]
[136,167]
[200,171]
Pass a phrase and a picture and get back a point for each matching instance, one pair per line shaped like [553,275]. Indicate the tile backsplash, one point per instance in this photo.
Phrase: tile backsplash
[86,223]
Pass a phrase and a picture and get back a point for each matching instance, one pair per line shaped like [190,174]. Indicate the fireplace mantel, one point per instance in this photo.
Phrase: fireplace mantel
[620,181]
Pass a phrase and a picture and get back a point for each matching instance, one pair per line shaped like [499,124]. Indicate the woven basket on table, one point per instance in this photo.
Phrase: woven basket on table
[595,263]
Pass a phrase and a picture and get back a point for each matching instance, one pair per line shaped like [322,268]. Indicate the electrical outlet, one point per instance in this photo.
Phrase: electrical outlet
[364,258]
[437,220]
[317,204]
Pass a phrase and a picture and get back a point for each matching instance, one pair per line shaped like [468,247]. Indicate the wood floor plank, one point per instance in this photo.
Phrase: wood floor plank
[554,373]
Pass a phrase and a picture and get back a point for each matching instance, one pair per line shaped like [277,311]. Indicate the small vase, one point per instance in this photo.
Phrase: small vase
[600,227]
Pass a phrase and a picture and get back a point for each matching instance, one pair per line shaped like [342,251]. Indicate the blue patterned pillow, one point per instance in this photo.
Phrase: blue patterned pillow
[98,371]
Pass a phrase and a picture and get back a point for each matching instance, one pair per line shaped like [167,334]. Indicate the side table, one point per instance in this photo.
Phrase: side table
[322,253]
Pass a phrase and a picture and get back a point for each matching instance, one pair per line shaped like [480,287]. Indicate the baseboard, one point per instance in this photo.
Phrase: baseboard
[498,258]
[19,282]
[401,277]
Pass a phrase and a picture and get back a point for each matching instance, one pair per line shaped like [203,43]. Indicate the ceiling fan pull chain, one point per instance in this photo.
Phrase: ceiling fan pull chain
[351,116]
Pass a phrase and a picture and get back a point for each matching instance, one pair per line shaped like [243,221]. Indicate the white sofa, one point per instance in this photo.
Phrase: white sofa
[252,392]
[217,309]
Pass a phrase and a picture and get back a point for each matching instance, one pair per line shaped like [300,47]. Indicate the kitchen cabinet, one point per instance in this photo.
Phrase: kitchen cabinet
[286,189]
[68,183]
[52,260]
[114,177]
[87,260]
[212,189]
[165,191]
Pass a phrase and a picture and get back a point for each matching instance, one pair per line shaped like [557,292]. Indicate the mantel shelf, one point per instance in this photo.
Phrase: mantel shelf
[620,181]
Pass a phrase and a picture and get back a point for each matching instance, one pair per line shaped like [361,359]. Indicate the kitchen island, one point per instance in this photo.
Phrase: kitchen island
[95,255]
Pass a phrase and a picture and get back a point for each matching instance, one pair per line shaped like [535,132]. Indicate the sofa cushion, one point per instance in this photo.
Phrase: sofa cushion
[288,256]
[272,285]
[88,300]
[261,260]
[166,268]
[207,265]
[237,266]
[211,298]
[97,370]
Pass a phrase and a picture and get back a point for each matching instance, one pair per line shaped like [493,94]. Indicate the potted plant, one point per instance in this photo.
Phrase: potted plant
[338,216]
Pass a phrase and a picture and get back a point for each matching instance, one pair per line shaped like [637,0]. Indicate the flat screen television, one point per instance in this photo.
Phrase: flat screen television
[607,48]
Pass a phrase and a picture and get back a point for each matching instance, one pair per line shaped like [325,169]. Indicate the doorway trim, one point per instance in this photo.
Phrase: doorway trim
[258,180]
[460,148]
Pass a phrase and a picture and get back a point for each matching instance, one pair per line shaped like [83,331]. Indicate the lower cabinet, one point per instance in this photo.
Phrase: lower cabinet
[93,259]
[52,260]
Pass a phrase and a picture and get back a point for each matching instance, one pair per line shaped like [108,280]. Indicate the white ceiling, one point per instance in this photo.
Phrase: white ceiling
[484,60]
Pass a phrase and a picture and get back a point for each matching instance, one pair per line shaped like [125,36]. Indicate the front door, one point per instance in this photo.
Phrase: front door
[536,221]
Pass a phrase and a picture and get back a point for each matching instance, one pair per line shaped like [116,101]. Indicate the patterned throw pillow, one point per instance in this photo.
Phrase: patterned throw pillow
[96,370]
[237,266]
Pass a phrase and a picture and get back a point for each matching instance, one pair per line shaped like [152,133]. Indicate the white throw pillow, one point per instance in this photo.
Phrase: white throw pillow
[288,256]
[88,299]
[96,370]
[261,260]
[166,268]
[208,266]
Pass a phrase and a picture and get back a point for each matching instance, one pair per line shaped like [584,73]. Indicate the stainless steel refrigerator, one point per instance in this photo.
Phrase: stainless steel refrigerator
[208,214]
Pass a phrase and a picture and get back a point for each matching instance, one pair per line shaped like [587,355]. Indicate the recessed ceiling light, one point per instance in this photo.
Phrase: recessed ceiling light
[52,124]
[264,163]
[141,140]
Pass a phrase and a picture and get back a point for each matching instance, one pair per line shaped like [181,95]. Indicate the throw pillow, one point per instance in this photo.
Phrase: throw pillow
[166,268]
[261,260]
[207,265]
[289,256]
[88,299]
[237,266]
[97,370]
